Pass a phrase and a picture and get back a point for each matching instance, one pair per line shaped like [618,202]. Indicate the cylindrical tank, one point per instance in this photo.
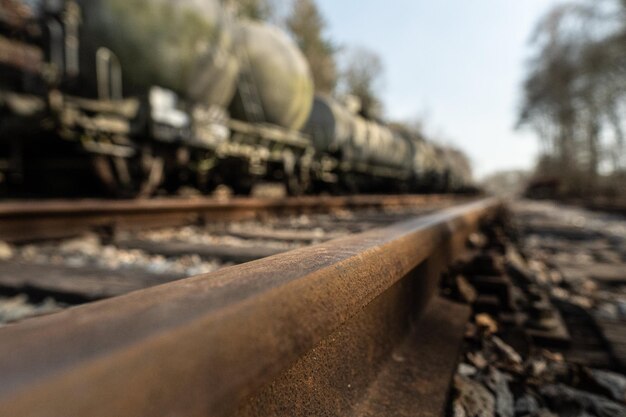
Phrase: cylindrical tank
[386,148]
[334,128]
[402,156]
[458,168]
[280,73]
[359,149]
[330,125]
[182,45]
[425,159]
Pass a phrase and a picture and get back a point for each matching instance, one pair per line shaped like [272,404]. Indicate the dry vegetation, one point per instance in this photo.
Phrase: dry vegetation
[575,97]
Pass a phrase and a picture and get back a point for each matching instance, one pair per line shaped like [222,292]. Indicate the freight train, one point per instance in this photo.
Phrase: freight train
[151,95]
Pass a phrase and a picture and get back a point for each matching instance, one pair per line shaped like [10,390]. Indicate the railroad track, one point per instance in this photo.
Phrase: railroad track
[130,254]
[342,327]
[32,220]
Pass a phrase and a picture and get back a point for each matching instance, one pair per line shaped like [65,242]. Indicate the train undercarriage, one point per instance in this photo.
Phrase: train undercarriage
[63,145]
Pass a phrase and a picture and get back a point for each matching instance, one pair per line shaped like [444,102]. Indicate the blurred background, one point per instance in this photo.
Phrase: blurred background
[319,96]
[532,91]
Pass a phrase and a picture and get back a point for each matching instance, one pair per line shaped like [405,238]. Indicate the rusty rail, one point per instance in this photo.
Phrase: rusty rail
[302,333]
[32,220]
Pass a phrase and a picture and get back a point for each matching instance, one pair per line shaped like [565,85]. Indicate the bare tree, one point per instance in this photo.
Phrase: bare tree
[307,25]
[362,77]
[575,90]
[252,9]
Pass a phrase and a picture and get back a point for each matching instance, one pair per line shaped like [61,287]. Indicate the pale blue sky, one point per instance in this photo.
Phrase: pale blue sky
[458,62]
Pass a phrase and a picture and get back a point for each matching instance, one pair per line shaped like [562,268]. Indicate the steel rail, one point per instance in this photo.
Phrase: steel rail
[301,333]
[32,220]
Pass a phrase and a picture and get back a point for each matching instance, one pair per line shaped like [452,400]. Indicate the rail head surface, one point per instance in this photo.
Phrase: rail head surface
[200,346]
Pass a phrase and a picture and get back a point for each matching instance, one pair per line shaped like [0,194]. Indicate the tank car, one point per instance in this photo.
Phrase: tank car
[274,98]
[356,153]
[161,94]
[138,92]
[457,170]
[426,169]
[105,80]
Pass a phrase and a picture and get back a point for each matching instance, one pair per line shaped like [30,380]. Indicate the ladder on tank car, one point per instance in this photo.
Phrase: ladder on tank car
[248,91]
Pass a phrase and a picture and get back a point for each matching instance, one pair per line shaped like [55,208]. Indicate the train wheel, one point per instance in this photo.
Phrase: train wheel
[130,178]
[294,186]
